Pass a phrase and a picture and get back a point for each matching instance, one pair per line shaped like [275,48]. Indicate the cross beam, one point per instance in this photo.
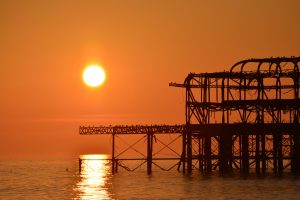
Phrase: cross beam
[134,129]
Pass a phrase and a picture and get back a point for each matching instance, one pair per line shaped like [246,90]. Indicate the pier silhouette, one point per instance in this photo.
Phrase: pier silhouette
[245,118]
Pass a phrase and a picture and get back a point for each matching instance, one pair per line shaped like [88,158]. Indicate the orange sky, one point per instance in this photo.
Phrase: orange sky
[143,45]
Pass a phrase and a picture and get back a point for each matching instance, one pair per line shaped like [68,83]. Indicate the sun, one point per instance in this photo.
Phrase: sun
[94,76]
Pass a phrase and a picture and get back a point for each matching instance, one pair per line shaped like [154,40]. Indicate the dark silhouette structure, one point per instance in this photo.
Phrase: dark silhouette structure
[247,117]
[244,118]
[151,135]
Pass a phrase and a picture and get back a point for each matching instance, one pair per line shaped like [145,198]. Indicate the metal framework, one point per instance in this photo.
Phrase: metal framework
[151,134]
[244,118]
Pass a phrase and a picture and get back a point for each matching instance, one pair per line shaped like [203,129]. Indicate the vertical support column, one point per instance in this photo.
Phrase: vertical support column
[200,157]
[277,149]
[275,152]
[80,163]
[188,131]
[149,151]
[295,157]
[225,152]
[296,154]
[189,151]
[292,150]
[280,158]
[245,153]
[113,154]
[240,151]
[257,153]
[183,154]
[259,120]
[207,154]
[263,153]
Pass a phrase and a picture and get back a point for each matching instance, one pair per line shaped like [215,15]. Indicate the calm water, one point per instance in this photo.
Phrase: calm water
[59,179]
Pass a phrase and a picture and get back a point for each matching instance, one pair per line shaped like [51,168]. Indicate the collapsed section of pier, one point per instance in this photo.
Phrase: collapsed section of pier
[245,118]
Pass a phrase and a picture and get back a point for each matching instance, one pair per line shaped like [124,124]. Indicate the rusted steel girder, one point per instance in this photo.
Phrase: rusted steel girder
[134,129]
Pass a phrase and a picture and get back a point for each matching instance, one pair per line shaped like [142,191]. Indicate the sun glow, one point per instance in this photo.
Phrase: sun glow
[94,76]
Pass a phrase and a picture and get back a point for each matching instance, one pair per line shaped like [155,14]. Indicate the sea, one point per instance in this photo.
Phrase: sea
[61,179]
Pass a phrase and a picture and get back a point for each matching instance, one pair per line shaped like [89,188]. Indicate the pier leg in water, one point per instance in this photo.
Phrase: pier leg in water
[80,162]
[263,154]
[149,152]
[225,153]
[275,153]
[189,151]
[295,160]
[280,158]
[257,154]
[207,154]
[245,154]
[113,154]
[183,151]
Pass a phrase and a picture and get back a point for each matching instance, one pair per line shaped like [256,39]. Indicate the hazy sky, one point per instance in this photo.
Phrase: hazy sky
[143,45]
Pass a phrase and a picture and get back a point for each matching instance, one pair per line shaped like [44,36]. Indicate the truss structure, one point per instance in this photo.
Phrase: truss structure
[244,118]
[152,155]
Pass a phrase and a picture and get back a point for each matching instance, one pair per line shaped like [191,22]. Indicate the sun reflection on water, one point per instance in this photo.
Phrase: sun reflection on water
[95,177]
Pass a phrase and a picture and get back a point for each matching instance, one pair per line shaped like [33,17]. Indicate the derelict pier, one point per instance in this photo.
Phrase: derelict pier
[246,118]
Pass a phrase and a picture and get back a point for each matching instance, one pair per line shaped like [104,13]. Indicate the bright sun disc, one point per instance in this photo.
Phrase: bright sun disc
[93,76]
